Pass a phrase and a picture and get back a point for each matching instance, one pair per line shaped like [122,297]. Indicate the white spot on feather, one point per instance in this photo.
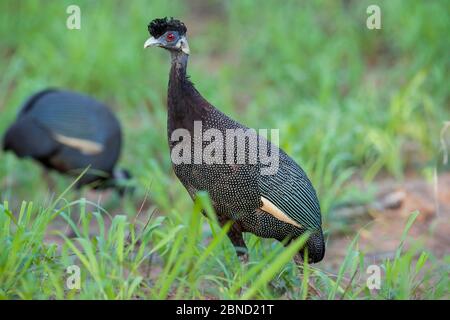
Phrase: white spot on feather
[84,146]
[272,209]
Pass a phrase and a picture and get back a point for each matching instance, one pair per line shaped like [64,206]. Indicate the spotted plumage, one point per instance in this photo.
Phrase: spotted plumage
[67,132]
[282,205]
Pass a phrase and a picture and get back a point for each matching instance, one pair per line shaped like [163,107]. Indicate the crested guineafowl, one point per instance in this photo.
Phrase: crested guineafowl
[281,205]
[68,132]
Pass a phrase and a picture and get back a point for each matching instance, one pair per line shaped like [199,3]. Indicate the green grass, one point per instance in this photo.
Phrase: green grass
[349,103]
[113,263]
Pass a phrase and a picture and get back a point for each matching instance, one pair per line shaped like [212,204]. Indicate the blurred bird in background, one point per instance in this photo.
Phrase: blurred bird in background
[69,132]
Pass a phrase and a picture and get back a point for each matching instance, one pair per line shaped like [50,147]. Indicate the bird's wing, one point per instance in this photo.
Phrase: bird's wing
[30,101]
[87,147]
[289,195]
[74,120]
[64,119]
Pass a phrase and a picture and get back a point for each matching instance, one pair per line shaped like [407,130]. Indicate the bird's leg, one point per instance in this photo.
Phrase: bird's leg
[299,262]
[48,179]
[237,239]
[75,215]
[243,257]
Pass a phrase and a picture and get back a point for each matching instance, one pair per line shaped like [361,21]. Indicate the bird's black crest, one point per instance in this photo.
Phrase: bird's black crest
[158,27]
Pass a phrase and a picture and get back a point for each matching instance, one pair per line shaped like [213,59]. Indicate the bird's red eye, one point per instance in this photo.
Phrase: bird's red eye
[170,37]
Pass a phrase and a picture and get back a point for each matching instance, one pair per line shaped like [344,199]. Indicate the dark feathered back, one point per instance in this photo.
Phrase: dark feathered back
[72,114]
[158,27]
[68,132]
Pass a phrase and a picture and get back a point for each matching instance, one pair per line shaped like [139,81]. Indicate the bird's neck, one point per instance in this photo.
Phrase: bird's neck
[178,68]
[185,104]
[179,85]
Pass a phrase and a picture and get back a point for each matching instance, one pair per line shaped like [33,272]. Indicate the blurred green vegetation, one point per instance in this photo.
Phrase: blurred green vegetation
[349,102]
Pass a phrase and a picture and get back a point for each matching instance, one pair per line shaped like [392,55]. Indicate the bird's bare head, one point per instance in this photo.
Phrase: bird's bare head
[167,33]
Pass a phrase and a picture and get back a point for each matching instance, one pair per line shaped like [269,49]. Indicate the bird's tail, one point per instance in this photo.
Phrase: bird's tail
[315,246]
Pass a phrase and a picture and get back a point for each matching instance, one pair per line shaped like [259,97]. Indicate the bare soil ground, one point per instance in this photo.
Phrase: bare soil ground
[380,231]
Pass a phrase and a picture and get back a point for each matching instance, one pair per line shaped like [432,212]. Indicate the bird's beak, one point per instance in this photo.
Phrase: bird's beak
[151,42]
